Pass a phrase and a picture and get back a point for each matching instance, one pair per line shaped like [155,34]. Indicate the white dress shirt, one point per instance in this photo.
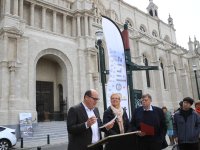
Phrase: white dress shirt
[94,127]
[150,108]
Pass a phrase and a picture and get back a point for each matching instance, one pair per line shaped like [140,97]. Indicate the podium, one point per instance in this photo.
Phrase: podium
[126,141]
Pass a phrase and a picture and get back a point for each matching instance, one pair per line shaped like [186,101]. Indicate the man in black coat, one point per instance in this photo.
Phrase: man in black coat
[150,121]
[83,122]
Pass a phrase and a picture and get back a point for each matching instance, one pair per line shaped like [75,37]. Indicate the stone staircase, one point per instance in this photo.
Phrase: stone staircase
[57,131]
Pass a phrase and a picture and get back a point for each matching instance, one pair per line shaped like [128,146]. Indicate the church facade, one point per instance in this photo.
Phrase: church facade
[48,57]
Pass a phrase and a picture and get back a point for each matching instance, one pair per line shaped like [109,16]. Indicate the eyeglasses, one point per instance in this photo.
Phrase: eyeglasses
[96,99]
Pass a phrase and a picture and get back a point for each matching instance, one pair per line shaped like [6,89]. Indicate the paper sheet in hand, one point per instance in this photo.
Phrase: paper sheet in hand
[111,121]
[148,129]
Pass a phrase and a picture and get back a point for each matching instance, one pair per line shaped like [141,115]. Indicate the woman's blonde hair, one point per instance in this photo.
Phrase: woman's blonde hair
[116,94]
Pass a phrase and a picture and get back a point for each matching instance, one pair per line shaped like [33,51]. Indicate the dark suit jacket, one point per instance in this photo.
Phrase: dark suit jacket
[155,118]
[79,136]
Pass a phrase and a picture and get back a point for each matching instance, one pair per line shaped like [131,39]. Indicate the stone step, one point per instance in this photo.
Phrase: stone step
[57,131]
[45,137]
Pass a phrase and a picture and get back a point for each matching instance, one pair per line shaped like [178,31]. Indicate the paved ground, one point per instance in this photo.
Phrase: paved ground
[62,146]
[55,146]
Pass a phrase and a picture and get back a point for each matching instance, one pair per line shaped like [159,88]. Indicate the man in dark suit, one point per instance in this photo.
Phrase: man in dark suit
[150,121]
[83,122]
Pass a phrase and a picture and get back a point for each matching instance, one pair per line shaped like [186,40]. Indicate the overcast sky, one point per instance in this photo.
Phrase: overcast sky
[185,14]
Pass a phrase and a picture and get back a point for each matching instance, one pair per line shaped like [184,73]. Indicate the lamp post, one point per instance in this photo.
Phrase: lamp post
[194,67]
[99,37]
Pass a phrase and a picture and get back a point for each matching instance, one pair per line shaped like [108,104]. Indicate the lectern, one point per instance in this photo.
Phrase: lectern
[126,141]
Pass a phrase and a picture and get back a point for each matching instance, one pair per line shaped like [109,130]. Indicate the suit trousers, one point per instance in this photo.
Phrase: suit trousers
[189,146]
[149,145]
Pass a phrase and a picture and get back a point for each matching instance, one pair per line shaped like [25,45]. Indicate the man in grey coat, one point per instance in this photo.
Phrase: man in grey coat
[187,126]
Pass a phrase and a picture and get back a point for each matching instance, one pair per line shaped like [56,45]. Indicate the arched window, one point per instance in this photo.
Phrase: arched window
[163,74]
[145,60]
[142,28]
[174,67]
[130,24]
[151,13]
[154,33]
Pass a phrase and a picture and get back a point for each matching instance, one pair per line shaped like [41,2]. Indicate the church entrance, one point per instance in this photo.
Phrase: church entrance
[44,100]
[50,89]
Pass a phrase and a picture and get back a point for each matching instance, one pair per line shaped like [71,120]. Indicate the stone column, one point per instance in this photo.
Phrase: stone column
[137,76]
[74,26]
[90,69]
[86,25]
[3,82]
[96,80]
[43,17]
[157,75]
[64,24]
[78,26]
[12,69]
[7,6]
[90,25]
[54,21]
[15,9]
[32,14]
[21,4]
[172,80]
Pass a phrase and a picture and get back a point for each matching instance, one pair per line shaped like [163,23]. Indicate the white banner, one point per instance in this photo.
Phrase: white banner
[117,82]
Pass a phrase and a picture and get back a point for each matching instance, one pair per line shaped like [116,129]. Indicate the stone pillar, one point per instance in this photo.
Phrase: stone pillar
[172,80]
[21,4]
[32,14]
[43,17]
[157,75]
[54,21]
[74,26]
[7,6]
[12,69]
[90,25]
[86,25]
[96,80]
[137,76]
[64,24]
[78,26]
[15,9]
[3,82]
[90,69]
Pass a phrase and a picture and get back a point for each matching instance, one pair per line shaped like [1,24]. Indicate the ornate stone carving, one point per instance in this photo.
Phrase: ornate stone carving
[11,30]
[12,65]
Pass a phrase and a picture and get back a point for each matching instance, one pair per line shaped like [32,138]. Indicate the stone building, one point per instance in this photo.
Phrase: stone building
[48,56]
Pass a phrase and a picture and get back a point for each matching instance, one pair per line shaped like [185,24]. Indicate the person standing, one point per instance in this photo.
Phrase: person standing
[83,122]
[187,126]
[150,121]
[121,124]
[197,107]
[169,124]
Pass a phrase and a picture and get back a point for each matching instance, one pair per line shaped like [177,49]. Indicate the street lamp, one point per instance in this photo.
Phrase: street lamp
[99,37]
[194,67]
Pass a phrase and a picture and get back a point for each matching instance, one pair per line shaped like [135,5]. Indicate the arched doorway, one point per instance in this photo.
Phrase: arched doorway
[49,89]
